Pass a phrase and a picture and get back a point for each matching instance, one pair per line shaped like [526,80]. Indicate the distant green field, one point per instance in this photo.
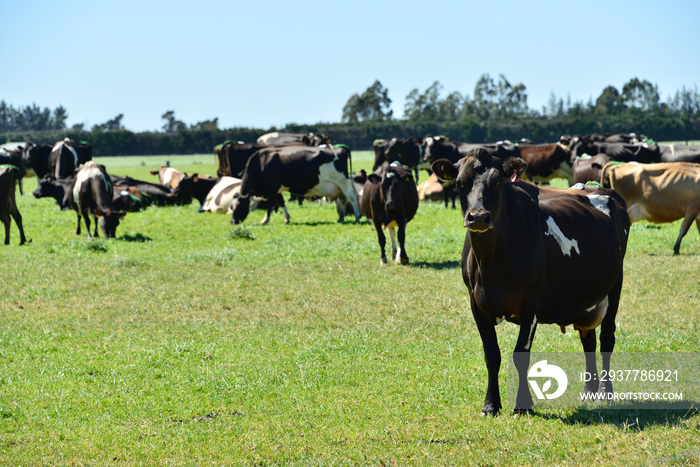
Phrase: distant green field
[189,341]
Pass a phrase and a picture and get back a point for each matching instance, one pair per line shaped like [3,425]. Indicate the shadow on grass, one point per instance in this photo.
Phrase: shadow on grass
[638,419]
[135,238]
[438,265]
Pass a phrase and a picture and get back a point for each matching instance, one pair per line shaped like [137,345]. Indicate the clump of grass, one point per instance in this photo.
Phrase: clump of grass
[241,232]
[99,246]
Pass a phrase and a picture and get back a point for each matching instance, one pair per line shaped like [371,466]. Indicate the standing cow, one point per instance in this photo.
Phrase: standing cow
[537,255]
[301,170]
[14,158]
[37,157]
[92,194]
[9,175]
[404,151]
[658,193]
[66,156]
[390,200]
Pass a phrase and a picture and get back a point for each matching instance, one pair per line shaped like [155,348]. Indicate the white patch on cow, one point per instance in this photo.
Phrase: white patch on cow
[240,142]
[124,193]
[634,163]
[531,333]
[168,175]
[57,146]
[88,171]
[391,175]
[625,231]
[263,139]
[224,203]
[322,145]
[565,244]
[75,154]
[600,202]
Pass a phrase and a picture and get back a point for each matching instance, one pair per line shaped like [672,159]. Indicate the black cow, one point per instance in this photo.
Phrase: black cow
[233,158]
[37,157]
[92,194]
[14,158]
[66,156]
[404,151]
[537,255]
[642,153]
[390,200]
[301,170]
[680,153]
[59,189]
[9,175]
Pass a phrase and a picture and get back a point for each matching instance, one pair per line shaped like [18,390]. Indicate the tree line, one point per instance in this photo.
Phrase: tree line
[501,100]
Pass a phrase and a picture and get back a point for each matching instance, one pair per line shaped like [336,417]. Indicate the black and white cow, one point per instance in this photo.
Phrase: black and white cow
[390,200]
[537,256]
[301,170]
[404,151]
[9,175]
[66,156]
[59,189]
[37,157]
[92,194]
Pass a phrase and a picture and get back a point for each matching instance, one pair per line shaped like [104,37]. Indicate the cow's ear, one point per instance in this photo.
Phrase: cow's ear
[374,179]
[444,170]
[514,168]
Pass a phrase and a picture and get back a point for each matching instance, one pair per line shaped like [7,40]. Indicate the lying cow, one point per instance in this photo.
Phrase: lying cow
[658,193]
[431,190]
[9,175]
[168,176]
[680,153]
[92,194]
[537,255]
[301,170]
[589,168]
[157,194]
[129,199]
[390,200]
[194,186]
[66,156]
[59,189]
[220,197]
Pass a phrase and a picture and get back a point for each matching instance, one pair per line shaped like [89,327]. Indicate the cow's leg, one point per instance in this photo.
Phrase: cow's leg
[86,217]
[492,354]
[393,243]
[589,346]
[402,257]
[381,238]
[280,201]
[521,359]
[340,202]
[417,169]
[348,190]
[690,216]
[97,224]
[18,220]
[266,219]
[6,222]
[607,333]
[21,189]
[77,231]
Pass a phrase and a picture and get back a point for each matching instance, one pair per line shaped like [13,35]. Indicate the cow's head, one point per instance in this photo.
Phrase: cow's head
[109,221]
[430,144]
[389,181]
[47,187]
[480,180]
[240,207]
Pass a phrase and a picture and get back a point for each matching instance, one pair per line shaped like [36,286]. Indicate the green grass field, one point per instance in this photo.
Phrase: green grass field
[189,341]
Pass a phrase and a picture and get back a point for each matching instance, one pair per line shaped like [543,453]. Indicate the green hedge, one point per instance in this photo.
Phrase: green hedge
[360,136]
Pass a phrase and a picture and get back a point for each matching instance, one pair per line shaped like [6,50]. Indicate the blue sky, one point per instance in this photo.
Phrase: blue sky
[270,63]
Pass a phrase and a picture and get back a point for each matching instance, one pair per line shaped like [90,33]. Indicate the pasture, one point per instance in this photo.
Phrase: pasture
[188,340]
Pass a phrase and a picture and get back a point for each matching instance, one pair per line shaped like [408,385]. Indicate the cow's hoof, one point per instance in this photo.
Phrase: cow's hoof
[383,262]
[490,409]
[521,412]
[676,252]
[287,221]
[403,261]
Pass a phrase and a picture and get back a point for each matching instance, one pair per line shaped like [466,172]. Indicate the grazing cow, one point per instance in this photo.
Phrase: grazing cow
[658,193]
[301,170]
[537,255]
[158,194]
[280,139]
[14,158]
[37,157]
[9,175]
[545,162]
[643,153]
[390,200]
[358,180]
[66,156]
[589,168]
[59,189]
[680,153]
[404,151]
[92,194]
[168,176]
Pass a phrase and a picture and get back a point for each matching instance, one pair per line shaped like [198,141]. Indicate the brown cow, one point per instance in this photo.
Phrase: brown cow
[545,162]
[658,193]
[9,175]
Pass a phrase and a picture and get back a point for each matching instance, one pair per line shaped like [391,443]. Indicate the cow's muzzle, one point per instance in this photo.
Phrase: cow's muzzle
[478,220]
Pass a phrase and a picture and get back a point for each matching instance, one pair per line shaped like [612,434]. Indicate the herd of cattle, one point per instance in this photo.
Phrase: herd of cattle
[527,247]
